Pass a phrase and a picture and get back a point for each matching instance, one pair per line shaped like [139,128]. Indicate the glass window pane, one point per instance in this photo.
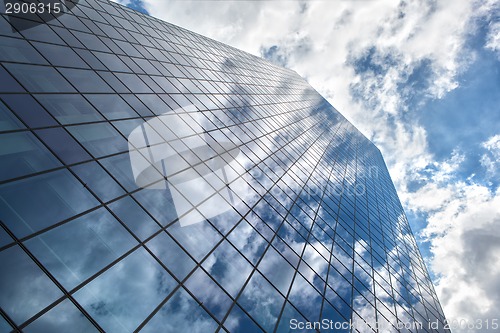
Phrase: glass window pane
[146,66]
[4,325]
[19,50]
[151,83]
[121,169]
[27,108]
[181,314]
[239,322]
[22,154]
[248,241]
[128,48]
[277,270]
[131,64]
[91,41]
[136,219]
[39,32]
[4,238]
[290,313]
[39,78]
[112,106]
[72,22]
[165,84]
[7,120]
[65,317]
[99,139]
[158,203]
[262,302]
[127,126]
[34,203]
[98,181]
[60,55]
[121,298]
[68,37]
[228,267]
[133,83]
[90,59]
[112,62]
[7,83]
[154,103]
[69,108]
[116,84]
[85,80]
[25,288]
[174,258]
[209,293]
[63,145]
[305,298]
[78,249]
[137,105]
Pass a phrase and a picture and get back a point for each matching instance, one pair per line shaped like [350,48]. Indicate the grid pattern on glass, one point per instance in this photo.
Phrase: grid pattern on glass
[318,233]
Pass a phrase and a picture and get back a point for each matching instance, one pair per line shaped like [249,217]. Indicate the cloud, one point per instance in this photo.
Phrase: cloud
[491,158]
[493,39]
[465,244]
[329,42]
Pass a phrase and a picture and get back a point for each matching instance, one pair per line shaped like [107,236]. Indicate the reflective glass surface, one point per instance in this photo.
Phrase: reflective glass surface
[154,180]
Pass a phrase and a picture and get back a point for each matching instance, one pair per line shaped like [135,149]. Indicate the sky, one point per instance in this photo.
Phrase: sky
[421,79]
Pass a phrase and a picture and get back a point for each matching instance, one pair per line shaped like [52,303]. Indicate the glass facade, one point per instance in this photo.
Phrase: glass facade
[155,180]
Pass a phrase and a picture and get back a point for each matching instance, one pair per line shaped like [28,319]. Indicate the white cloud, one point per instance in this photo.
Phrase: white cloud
[491,158]
[493,41]
[466,253]
[123,2]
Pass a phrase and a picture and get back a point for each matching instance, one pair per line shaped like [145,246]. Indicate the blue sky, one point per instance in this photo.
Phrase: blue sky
[421,79]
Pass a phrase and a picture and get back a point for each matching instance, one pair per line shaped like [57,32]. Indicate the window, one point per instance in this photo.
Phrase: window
[262,302]
[228,267]
[7,120]
[119,166]
[29,110]
[154,103]
[64,317]
[134,217]
[63,145]
[85,80]
[60,55]
[25,288]
[121,298]
[91,41]
[38,32]
[112,62]
[78,249]
[100,139]
[172,255]
[19,50]
[39,78]
[277,270]
[38,202]
[112,106]
[69,108]
[22,154]
[98,181]
[181,314]
[134,83]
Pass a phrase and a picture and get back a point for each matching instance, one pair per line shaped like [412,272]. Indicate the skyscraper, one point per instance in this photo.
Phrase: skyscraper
[155,180]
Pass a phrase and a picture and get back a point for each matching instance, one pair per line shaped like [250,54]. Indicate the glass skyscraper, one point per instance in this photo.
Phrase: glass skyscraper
[155,180]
